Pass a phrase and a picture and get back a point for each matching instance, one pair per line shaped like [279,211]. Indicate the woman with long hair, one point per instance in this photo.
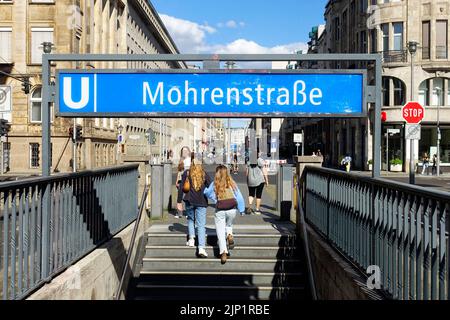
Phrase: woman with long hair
[193,184]
[228,199]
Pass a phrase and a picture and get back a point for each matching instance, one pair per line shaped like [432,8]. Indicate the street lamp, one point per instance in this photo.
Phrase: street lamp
[412,48]
[438,153]
[47,47]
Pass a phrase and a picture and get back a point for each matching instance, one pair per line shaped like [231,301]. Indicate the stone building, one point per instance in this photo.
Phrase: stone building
[75,26]
[385,27]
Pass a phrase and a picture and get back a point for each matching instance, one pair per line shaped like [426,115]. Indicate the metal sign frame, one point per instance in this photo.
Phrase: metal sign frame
[361,114]
[211,62]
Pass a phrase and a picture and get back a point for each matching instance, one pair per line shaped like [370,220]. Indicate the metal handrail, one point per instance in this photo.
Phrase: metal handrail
[133,239]
[49,223]
[64,176]
[398,228]
[311,278]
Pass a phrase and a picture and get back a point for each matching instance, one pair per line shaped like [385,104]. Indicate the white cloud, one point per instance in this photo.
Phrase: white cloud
[190,37]
[232,24]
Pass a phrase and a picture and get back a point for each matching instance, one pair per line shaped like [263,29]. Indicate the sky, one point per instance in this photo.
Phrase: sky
[240,26]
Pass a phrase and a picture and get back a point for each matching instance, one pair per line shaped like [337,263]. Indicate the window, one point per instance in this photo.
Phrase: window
[426,40]
[428,143]
[386,84]
[398,92]
[34,155]
[363,42]
[398,35]
[36,105]
[42,1]
[5,48]
[336,29]
[437,98]
[373,40]
[385,31]
[363,6]
[433,91]
[38,36]
[441,39]
[423,93]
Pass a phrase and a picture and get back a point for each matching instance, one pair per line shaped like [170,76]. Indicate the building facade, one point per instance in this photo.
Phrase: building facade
[386,27]
[75,26]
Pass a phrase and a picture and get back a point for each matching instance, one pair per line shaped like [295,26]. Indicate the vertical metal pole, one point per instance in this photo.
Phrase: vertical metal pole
[229,142]
[160,141]
[303,142]
[74,143]
[45,116]
[376,138]
[387,149]
[2,155]
[438,153]
[46,203]
[411,141]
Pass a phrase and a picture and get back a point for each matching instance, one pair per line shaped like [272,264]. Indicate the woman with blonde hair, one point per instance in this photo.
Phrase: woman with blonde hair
[192,185]
[228,199]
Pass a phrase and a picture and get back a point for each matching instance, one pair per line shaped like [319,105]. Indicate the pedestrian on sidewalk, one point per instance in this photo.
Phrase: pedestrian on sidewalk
[256,179]
[178,185]
[425,163]
[225,193]
[193,184]
[434,168]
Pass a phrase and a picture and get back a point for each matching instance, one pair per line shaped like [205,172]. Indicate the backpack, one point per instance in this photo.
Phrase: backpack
[227,201]
[255,176]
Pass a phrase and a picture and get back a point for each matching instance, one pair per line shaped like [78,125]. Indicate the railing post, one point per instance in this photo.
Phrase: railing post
[45,230]
[328,206]
[372,225]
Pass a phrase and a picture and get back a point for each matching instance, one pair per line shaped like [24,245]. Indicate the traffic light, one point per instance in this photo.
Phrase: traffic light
[79,133]
[151,136]
[26,85]
[4,127]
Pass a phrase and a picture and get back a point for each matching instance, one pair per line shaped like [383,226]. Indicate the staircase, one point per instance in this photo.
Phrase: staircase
[266,263]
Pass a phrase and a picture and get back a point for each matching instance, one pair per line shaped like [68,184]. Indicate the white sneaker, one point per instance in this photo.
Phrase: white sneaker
[202,253]
[191,242]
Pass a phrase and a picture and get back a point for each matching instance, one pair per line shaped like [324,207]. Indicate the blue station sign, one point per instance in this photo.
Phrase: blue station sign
[131,93]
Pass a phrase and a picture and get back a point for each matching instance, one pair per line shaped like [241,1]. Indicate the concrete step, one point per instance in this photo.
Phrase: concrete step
[169,292]
[213,264]
[267,240]
[237,252]
[221,278]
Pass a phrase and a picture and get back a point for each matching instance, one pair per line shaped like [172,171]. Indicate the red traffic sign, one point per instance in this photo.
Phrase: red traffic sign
[413,112]
[383,116]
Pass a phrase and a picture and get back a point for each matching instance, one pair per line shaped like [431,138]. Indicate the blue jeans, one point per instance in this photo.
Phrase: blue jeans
[224,226]
[197,215]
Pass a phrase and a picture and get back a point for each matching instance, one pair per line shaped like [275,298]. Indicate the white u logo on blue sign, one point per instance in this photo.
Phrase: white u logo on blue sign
[68,99]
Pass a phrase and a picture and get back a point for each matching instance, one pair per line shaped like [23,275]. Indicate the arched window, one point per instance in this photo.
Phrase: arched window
[36,105]
[394,91]
[434,92]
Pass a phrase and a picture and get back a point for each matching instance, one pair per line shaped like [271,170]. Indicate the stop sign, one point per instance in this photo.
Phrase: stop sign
[413,112]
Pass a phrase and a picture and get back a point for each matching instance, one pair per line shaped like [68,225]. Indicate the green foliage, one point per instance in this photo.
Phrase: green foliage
[396,161]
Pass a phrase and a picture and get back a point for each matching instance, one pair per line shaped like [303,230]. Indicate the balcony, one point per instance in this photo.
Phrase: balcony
[394,56]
